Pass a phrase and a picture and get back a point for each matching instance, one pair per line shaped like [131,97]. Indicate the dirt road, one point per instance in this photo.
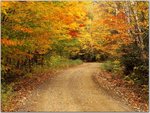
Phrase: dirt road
[73,90]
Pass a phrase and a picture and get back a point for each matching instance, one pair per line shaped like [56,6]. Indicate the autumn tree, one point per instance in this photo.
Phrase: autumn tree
[91,31]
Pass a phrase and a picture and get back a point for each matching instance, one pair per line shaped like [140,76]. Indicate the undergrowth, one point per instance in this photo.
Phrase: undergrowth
[112,66]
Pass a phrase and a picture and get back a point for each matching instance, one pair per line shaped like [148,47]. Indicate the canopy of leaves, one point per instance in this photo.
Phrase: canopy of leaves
[92,31]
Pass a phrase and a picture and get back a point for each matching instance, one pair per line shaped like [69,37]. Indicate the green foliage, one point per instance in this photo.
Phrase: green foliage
[112,66]
[53,63]
[61,62]
[108,66]
[136,67]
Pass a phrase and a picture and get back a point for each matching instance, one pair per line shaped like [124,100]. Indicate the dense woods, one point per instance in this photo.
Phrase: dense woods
[53,33]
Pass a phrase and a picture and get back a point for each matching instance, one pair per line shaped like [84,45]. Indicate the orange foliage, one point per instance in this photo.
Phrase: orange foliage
[9,42]
[23,29]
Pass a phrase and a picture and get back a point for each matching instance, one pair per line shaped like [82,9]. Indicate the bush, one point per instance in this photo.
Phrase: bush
[61,62]
[140,75]
[136,67]
[107,66]
[54,63]
[112,66]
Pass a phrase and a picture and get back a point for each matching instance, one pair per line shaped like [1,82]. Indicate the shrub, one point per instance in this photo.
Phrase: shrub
[61,62]
[112,66]
[136,67]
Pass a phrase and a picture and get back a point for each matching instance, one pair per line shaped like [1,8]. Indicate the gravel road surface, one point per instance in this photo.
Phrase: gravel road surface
[73,90]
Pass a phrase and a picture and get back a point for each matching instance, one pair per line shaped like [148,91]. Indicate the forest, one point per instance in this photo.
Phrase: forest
[60,34]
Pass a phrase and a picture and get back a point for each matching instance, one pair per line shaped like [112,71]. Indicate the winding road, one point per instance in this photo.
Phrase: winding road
[73,90]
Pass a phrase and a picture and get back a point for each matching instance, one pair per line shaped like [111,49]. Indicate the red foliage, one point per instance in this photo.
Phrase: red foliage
[81,25]
[73,33]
